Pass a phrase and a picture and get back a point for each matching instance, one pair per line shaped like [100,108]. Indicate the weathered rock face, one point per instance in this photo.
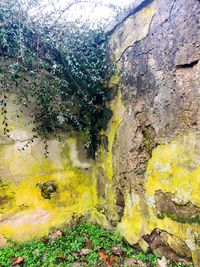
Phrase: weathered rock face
[146,180]
[158,51]
[37,193]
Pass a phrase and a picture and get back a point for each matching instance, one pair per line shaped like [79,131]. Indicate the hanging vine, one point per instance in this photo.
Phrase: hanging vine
[58,74]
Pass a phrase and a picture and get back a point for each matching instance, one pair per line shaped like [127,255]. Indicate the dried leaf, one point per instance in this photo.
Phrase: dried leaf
[75,255]
[129,262]
[112,261]
[97,248]
[162,262]
[108,263]
[55,234]
[123,255]
[117,250]
[87,240]
[76,264]
[141,264]
[17,260]
[84,251]
[102,256]
[89,245]
[61,257]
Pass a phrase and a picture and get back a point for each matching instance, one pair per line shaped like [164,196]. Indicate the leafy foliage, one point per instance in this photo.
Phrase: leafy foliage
[58,74]
[86,245]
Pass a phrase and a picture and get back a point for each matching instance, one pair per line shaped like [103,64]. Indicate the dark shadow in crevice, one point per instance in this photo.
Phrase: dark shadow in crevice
[188,65]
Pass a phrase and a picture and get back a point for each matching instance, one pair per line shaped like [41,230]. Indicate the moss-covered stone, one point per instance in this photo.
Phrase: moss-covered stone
[7,196]
[171,201]
[192,220]
[47,189]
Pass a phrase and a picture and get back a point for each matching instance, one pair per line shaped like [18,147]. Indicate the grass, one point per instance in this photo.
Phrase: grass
[84,245]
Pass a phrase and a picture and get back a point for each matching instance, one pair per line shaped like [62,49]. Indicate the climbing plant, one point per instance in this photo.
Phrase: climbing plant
[57,73]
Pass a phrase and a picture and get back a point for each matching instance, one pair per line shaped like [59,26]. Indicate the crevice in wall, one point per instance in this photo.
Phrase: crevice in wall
[188,65]
[131,46]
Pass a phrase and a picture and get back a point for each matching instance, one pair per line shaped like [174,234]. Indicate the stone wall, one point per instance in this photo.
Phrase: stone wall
[37,193]
[157,149]
[145,181]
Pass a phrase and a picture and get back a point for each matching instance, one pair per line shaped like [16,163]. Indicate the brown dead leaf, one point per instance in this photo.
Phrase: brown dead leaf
[84,251]
[89,245]
[117,250]
[108,263]
[123,255]
[86,238]
[141,264]
[102,256]
[75,255]
[162,262]
[76,264]
[97,248]
[130,262]
[17,260]
[55,234]
[112,261]
[61,257]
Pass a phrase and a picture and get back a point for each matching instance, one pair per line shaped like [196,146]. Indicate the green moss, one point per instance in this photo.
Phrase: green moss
[149,139]
[189,220]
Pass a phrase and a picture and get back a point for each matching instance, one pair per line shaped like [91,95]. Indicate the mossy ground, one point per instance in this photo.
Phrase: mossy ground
[83,245]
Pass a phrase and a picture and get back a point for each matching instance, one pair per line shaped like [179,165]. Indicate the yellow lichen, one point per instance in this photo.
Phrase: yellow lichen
[118,110]
[173,168]
[30,214]
[132,222]
[67,167]
[106,157]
